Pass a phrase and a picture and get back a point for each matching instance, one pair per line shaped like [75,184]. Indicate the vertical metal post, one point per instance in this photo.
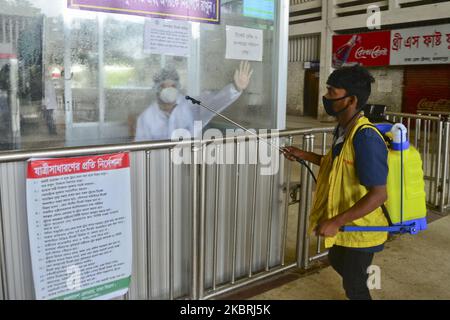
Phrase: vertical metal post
[235,216]
[195,209]
[425,155]
[171,227]
[216,218]
[319,238]
[425,146]
[202,229]
[149,224]
[433,158]
[286,207]
[308,208]
[417,136]
[324,143]
[303,213]
[444,176]
[253,221]
[437,186]
[269,222]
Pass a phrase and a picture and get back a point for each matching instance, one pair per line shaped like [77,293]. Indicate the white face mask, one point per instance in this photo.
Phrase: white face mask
[169,95]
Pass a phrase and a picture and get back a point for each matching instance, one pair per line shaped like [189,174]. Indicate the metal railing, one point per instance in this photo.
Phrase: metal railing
[289,252]
[441,114]
[199,230]
[202,230]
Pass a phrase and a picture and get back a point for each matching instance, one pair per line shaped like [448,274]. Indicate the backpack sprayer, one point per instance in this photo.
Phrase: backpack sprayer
[301,161]
[405,208]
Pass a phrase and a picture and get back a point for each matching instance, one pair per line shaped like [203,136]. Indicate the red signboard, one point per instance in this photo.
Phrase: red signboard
[38,169]
[366,49]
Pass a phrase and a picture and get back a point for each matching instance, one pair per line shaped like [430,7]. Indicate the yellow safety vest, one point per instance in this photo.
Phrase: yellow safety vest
[338,189]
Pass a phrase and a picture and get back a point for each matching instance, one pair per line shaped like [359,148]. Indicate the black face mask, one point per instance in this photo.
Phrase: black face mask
[328,105]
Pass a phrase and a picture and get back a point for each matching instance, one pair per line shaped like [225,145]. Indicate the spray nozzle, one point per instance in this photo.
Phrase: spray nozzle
[399,137]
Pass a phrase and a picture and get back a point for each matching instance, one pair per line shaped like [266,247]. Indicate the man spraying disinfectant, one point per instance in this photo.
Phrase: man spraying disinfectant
[351,186]
[351,204]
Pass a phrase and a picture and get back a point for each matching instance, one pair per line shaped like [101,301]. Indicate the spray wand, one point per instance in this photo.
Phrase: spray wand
[301,161]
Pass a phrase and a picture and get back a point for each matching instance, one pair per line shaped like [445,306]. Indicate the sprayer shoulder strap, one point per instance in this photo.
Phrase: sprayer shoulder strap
[387,141]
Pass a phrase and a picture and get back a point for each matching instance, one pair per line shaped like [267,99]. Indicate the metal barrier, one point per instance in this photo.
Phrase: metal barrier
[201,230]
[291,250]
[442,197]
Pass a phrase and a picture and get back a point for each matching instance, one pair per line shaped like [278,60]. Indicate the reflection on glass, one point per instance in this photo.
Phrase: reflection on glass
[74,78]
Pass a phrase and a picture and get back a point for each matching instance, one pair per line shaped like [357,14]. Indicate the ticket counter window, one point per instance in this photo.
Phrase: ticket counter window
[72,77]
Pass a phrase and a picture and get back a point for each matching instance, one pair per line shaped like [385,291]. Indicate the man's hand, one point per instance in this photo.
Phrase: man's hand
[293,154]
[242,76]
[328,228]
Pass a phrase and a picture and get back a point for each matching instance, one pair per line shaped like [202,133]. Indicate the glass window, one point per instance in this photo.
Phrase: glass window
[73,78]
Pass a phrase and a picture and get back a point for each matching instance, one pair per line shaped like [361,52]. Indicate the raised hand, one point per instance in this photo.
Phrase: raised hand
[242,76]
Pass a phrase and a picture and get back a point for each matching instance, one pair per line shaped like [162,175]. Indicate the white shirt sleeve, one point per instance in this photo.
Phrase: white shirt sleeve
[218,102]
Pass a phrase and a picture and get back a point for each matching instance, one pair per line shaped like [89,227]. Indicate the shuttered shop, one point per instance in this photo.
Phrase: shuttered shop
[426,88]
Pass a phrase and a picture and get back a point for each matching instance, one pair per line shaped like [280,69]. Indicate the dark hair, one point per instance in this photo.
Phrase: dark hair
[356,80]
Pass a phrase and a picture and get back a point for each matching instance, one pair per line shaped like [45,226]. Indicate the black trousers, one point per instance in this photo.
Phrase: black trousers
[352,266]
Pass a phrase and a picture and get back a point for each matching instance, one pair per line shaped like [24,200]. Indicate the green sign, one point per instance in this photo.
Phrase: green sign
[262,9]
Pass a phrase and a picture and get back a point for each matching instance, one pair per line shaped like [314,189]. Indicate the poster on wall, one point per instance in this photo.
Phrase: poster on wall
[207,11]
[369,49]
[424,45]
[244,44]
[167,37]
[79,225]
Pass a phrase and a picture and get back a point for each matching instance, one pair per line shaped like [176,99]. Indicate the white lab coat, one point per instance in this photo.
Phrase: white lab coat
[155,124]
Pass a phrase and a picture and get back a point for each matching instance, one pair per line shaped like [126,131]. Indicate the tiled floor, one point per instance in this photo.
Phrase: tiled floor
[412,267]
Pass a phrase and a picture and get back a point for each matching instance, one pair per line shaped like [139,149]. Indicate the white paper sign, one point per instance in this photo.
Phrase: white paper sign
[424,45]
[167,37]
[79,224]
[244,44]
